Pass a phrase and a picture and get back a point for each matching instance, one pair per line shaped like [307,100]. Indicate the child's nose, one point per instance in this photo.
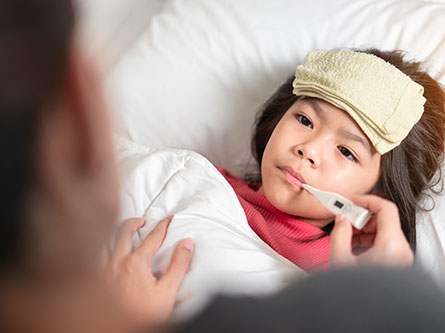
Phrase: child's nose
[309,156]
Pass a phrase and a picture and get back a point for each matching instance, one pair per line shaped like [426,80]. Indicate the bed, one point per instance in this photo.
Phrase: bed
[190,76]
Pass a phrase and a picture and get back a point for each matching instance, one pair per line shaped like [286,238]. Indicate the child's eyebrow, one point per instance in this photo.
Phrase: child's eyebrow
[318,110]
[357,138]
[342,132]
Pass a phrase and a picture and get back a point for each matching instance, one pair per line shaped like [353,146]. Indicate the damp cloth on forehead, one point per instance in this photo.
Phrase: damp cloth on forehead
[384,102]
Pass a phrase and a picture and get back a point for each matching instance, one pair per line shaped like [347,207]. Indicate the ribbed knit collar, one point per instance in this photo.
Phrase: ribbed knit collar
[294,239]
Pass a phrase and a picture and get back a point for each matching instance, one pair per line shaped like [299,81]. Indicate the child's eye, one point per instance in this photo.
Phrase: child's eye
[304,120]
[347,153]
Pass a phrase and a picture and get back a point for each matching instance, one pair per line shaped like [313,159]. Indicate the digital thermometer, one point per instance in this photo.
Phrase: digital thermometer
[337,204]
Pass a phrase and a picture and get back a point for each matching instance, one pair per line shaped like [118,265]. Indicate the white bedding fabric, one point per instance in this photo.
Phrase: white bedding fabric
[229,257]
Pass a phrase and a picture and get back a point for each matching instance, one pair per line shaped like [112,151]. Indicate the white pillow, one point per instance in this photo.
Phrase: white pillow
[107,27]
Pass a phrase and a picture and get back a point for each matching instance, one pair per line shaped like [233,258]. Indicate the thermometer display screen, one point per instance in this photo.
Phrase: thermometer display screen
[338,204]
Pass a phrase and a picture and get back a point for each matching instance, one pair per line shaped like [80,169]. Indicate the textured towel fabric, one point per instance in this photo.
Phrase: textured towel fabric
[384,102]
[293,239]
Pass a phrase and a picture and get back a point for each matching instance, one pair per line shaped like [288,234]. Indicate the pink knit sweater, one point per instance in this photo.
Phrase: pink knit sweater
[287,235]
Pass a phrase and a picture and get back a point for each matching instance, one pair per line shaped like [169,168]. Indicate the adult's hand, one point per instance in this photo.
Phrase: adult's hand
[146,299]
[380,242]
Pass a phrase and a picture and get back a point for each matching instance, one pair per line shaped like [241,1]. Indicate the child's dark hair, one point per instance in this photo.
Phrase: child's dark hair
[407,170]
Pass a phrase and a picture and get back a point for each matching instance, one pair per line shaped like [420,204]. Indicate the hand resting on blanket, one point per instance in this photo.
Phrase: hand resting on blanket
[146,300]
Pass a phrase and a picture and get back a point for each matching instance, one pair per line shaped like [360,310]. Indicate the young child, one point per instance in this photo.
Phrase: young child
[351,122]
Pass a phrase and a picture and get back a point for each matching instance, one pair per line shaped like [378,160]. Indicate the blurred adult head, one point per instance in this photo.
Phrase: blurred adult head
[57,171]
[58,174]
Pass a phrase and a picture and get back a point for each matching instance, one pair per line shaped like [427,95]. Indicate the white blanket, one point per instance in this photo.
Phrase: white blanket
[229,257]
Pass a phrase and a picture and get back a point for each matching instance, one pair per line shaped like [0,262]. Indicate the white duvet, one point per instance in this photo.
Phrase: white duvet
[229,257]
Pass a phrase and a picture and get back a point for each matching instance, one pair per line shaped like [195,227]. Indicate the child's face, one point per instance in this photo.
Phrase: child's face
[327,148]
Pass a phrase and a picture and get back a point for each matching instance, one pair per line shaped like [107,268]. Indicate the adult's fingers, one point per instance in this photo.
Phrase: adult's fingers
[387,214]
[341,252]
[154,239]
[371,226]
[179,264]
[123,244]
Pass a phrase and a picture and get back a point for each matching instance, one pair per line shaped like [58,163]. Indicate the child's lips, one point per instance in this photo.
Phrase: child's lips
[294,178]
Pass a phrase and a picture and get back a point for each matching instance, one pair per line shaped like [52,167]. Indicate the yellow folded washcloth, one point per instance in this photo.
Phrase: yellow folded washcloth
[384,101]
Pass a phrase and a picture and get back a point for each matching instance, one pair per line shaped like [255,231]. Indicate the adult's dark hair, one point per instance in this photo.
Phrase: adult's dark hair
[34,39]
[407,170]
